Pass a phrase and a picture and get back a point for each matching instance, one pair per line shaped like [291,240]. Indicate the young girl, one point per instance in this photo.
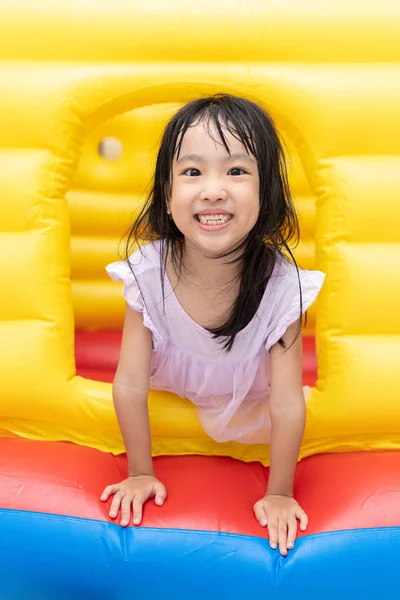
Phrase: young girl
[214,305]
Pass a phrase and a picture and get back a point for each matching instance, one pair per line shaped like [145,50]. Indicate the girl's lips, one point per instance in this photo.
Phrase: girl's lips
[209,227]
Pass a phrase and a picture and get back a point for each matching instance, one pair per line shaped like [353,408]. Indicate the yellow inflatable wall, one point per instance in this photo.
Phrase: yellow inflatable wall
[75,73]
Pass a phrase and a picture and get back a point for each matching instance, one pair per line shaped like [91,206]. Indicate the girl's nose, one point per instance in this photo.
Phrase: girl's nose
[213,192]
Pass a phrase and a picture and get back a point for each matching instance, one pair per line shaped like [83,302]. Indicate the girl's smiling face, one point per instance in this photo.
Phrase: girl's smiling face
[215,196]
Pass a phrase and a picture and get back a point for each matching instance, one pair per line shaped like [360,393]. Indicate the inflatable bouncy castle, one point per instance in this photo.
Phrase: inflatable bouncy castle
[86,89]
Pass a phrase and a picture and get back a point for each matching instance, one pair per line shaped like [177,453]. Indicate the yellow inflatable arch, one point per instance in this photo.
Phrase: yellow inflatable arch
[341,122]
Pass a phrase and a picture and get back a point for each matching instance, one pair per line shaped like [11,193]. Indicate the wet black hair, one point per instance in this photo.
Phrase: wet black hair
[277,224]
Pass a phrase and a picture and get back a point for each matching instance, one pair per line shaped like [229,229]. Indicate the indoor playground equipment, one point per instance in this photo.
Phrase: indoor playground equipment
[86,88]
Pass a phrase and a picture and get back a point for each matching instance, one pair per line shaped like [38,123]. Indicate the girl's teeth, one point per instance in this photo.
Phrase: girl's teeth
[214,219]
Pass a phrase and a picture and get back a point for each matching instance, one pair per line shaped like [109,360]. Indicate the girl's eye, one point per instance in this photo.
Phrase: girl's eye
[192,172]
[236,171]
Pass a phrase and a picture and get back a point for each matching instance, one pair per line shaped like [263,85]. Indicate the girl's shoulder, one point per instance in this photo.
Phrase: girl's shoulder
[293,290]
[146,257]
[293,283]
[286,272]
[143,259]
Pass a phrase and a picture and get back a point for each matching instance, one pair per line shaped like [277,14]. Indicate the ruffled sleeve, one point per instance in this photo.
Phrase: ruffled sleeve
[120,271]
[286,300]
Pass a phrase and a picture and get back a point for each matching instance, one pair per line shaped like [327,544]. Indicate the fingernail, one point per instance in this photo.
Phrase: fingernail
[290,546]
[273,546]
[136,521]
[263,522]
[124,522]
[160,500]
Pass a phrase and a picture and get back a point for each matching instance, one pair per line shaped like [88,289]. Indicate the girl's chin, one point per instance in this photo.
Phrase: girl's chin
[214,247]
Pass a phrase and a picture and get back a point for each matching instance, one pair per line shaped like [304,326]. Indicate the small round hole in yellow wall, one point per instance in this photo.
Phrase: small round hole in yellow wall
[110,148]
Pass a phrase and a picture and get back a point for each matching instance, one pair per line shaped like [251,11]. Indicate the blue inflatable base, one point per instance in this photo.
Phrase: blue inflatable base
[51,557]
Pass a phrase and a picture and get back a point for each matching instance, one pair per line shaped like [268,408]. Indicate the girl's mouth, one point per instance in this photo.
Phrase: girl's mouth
[213,222]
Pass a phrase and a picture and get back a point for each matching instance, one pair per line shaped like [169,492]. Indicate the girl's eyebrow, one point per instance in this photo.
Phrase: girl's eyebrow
[229,158]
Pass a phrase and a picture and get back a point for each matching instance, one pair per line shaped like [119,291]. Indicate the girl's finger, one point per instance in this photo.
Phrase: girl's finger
[282,535]
[273,532]
[292,532]
[126,506]
[301,515]
[160,493]
[110,489]
[137,509]
[260,514]
[115,504]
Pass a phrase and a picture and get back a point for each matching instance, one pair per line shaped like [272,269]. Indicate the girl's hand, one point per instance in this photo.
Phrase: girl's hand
[280,514]
[132,493]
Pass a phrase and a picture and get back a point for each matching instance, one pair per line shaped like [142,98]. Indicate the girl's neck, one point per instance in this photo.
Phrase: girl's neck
[208,273]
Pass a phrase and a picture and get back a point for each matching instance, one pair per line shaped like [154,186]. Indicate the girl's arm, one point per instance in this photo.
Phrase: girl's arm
[278,510]
[130,393]
[287,410]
